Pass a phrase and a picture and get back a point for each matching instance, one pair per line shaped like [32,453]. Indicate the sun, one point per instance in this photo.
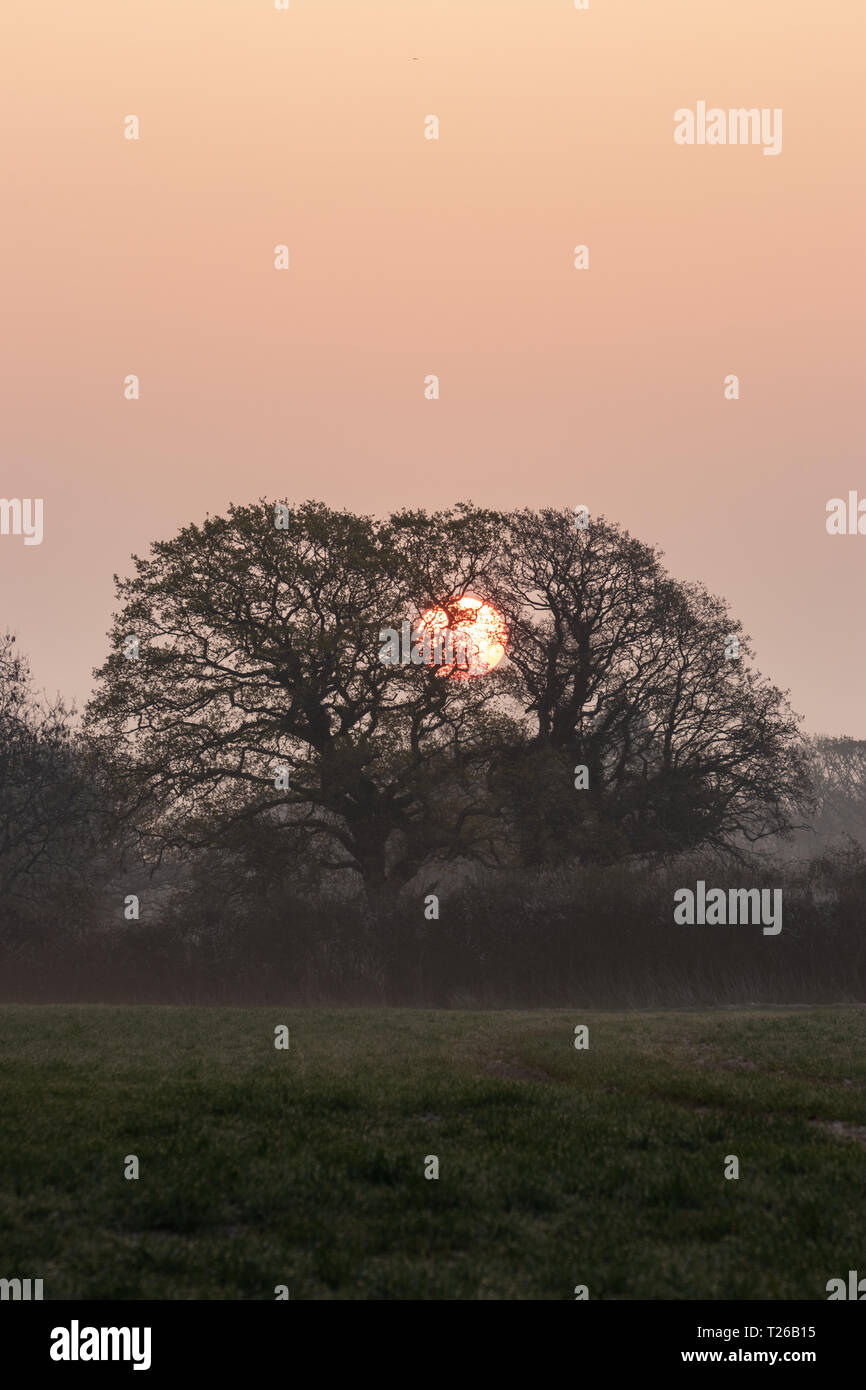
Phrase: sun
[477,631]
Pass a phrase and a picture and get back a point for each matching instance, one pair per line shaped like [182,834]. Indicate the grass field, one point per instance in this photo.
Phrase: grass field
[305,1167]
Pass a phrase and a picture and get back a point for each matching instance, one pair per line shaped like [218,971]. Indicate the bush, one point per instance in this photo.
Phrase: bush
[590,937]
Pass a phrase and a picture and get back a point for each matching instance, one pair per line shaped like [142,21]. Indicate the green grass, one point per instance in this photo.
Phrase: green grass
[557,1167]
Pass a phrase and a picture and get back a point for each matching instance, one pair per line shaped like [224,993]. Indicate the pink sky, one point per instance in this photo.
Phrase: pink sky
[454,257]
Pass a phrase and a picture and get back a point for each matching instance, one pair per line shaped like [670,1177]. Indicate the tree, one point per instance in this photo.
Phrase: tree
[255,715]
[838,770]
[630,673]
[258,697]
[49,793]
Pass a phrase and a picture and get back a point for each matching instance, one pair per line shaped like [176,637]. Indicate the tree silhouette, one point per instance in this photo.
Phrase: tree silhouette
[51,804]
[258,651]
[684,746]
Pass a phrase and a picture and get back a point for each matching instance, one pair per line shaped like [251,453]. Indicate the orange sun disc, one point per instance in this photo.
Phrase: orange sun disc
[468,636]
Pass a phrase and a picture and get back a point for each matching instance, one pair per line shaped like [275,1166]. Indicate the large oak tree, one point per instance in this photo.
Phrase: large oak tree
[258,649]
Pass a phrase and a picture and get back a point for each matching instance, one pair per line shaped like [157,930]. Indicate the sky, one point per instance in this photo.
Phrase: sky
[454,257]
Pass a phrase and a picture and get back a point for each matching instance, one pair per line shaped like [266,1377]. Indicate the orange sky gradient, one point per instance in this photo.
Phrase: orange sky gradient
[454,257]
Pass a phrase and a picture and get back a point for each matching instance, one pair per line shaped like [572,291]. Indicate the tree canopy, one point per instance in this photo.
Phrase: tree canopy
[648,682]
[50,798]
[244,697]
